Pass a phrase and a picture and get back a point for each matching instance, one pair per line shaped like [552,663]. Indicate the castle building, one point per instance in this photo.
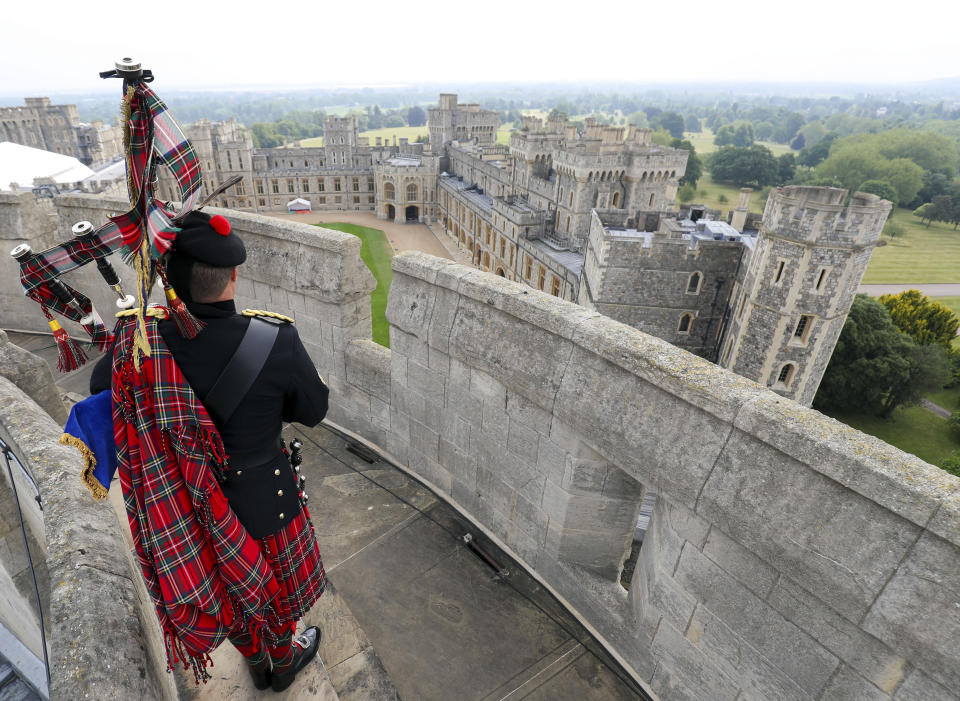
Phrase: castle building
[586,213]
[57,128]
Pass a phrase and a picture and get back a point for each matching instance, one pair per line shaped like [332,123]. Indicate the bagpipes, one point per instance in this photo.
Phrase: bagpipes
[151,137]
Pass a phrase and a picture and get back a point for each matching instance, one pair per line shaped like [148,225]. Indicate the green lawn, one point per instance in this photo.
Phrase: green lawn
[913,429]
[708,193]
[376,253]
[387,134]
[703,143]
[921,254]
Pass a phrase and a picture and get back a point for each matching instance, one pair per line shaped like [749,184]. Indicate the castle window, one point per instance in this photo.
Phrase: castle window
[291,186]
[526,268]
[684,325]
[259,187]
[356,199]
[262,202]
[305,184]
[820,278]
[616,200]
[802,330]
[336,184]
[785,376]
[555,287]
[651,199]
[370,199]
[356,184]
[693,283]
[321,185]
[743,306]
[411,192]
[322,200]
[370,184]
[275,186]
[229,162]
[779,276]
[503,246]
[541,277]
[388,192]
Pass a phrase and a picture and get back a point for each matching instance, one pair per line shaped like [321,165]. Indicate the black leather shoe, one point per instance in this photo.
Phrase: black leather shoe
[305,648]
[261,678]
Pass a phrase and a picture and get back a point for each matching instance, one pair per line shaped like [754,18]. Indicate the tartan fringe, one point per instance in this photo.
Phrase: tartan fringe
[93,484]
[187,324]
[70,355]
[176,653]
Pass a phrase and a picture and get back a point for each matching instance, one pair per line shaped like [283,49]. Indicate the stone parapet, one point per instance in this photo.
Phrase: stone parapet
[99,647]
[789,556]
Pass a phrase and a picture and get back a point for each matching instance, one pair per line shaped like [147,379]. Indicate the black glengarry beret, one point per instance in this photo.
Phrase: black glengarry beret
[209,240]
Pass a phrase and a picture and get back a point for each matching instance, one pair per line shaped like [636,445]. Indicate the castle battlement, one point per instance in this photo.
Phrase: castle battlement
[822,214]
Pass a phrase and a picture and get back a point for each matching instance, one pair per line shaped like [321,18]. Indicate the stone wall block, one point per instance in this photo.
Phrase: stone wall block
[551,461]
[847,685]
[683,521]
[408,345]
[368,368]
[843,546]
[620,485]
[628,419]
[460,463]
[522,441]
[602,552]
[527,413]
[798,655]
[919,687]
[752,572]
[410,305]
[863,652]
[684,673]
[757,677]
[424,440]
[584,476]
[424,381]
[654,573]
[464,404]
[902,483]
[527,358]
[586,512]
[917,613]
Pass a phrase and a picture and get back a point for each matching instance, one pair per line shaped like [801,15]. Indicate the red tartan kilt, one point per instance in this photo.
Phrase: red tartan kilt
[294,557]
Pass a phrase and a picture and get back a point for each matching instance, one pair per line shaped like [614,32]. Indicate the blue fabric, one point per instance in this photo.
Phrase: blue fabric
[91,421]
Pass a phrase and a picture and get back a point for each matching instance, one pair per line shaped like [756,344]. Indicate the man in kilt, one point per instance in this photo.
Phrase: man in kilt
[249,572]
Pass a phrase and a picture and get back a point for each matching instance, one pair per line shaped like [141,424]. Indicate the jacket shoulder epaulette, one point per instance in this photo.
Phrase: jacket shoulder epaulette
[156,311]
[268,316]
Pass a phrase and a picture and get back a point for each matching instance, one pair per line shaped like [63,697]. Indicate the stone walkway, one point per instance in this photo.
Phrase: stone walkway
[411,611]
[402,237]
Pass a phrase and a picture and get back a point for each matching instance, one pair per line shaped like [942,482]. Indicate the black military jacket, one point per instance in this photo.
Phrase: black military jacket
[261,486]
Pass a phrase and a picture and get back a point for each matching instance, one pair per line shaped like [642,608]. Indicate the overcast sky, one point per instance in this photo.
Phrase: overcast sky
[54,46]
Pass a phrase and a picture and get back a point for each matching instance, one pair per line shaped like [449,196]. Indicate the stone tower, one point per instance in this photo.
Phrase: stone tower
[798,285]
[340,140]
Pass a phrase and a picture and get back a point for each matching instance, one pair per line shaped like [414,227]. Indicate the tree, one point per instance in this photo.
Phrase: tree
[673,123]
[416,117]
[799,141]
[692,124]
[880,188]
[874,367]
[744,166]
[743,136]
[814,154]
[686,193]
[694,164]
[723,136]
[925,321]
[925,212]
[942,209]
[786,167]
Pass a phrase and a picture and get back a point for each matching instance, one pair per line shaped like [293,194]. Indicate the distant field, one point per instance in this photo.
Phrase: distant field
[376,253]
[703,143]
[922,254]
[708,193]
[388,133]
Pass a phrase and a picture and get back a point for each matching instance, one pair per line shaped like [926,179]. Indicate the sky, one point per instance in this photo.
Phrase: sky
[49,47]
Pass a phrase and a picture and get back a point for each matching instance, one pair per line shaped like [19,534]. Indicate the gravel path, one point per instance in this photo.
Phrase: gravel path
[402,237]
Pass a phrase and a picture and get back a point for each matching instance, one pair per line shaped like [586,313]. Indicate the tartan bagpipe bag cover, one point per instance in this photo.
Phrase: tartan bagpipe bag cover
[206,575]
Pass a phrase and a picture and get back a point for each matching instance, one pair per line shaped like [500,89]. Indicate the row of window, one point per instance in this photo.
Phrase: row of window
[321,185]
[781,268]
[262,201]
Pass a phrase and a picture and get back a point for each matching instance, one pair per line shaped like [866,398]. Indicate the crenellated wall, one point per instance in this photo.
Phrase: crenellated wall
[788,557]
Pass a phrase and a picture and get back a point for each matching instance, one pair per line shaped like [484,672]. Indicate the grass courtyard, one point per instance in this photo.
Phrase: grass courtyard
[376,253]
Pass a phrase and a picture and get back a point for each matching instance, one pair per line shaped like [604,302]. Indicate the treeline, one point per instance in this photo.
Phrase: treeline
[303,124]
